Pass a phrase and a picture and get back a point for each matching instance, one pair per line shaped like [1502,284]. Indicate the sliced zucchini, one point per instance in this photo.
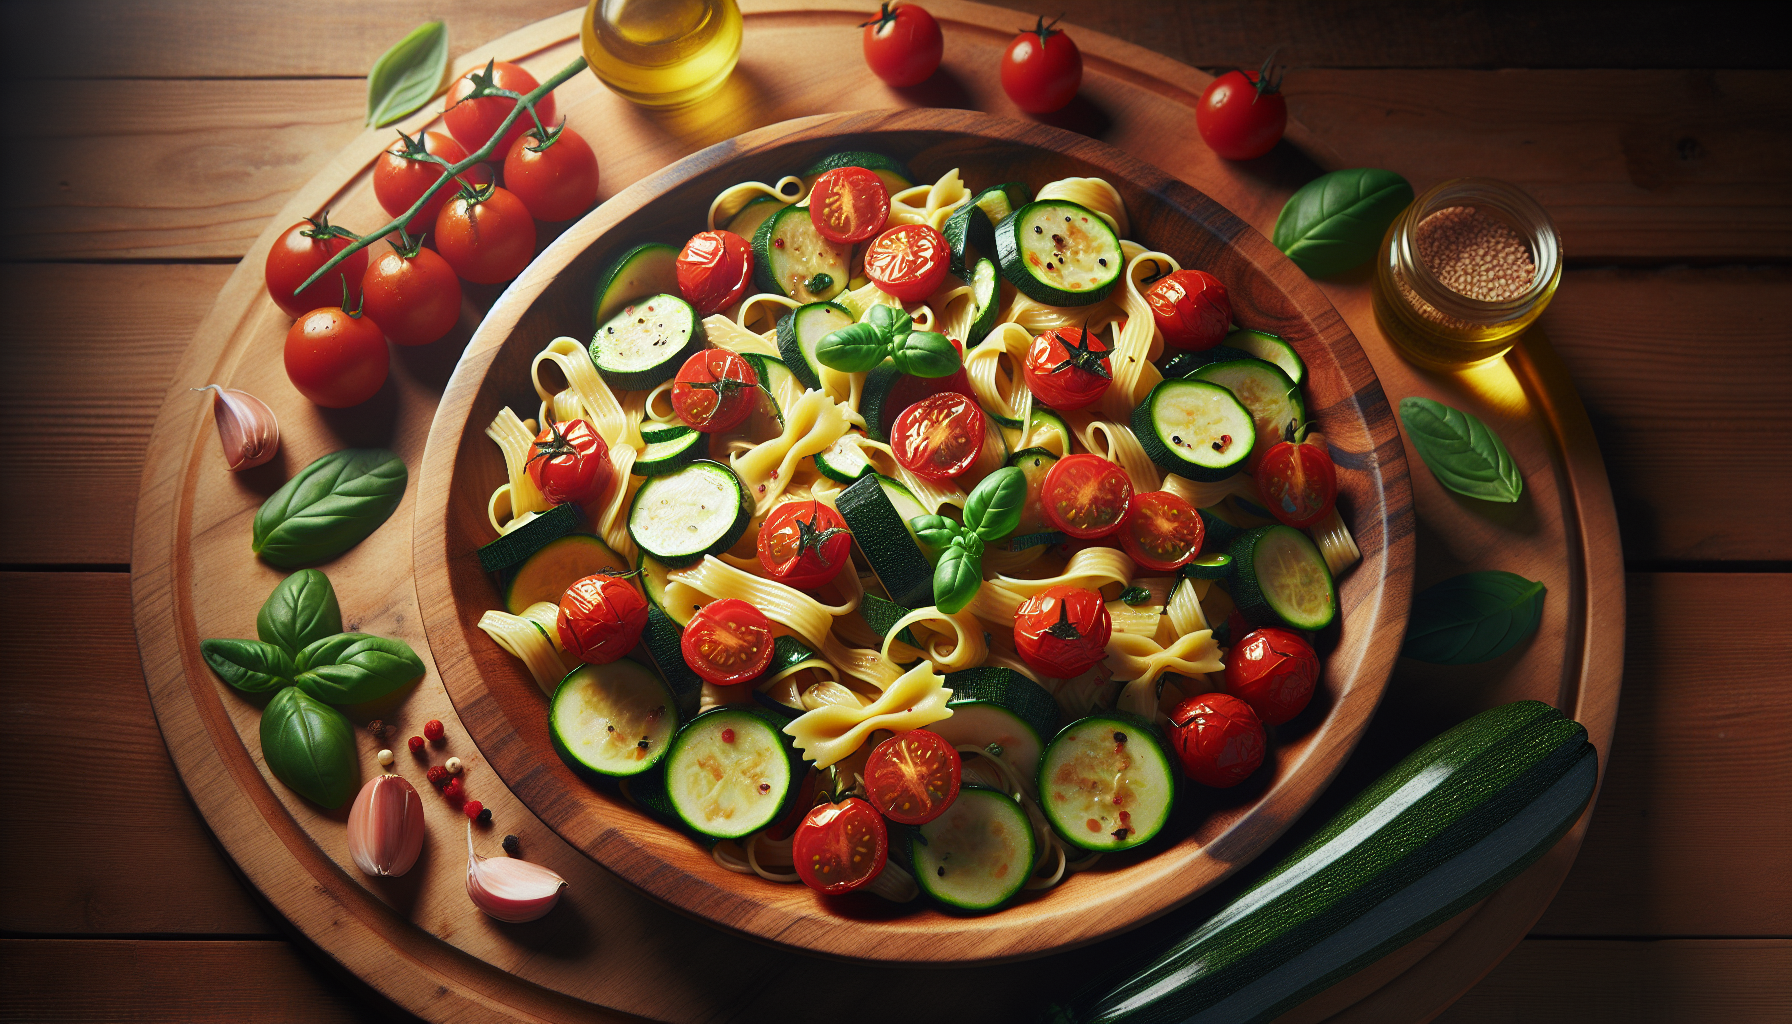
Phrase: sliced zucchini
[1106,783]
[651,432]
[616,719]
[877,510]
[1185,363]
[729,772]
[663,640]
[1279,579]
[973,225]
[1059,253]
[1196,428]
[747,221]
[503,555]
[653,584]
[545,575]
[791,258]
[1217,533]
[645,343]
[874,401]
[1215,566]
[986,293]
[778,386]
[978,854]
[1034,463]
[1270,349]
[882,615]
[891,172]
[661,457]
[642,271]
[1273,399]
[700,509]
[800,330]
[1049,432]
[845,459]
[1003,712]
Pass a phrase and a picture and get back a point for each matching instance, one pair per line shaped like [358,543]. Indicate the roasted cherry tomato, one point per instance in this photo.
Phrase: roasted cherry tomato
[715,390]
[601,618]
[486,235]
[903,45]
[336,358]
[557,179]
[913,777]
[401,176]
[714,270]
[473,122]
[1218,738]
[848,205]
[1068,369]
[1241,114]
[841,846]
[298,253]
[728,642]
[1274,671]
[1162,532]
[940,436]
[1042,69]
[571,462]
[804,544]
[908,261]
[1191,308]
[412,294]
[1063,631]
[1086,496]
[910,389]
[1298,483]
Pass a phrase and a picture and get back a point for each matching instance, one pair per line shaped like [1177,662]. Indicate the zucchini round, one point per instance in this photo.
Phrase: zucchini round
[978,854]
[1106,783]
[877,510]
[1003,712]
[510,550]
[791,258]
[1273,400]
[700,509]
[545,575]
[1280,579]
[642,271]
[800,330]
[1059,253]
[671,453]
[616,719]
[645,343]
[729,772]
[1270,349]
[1195,428]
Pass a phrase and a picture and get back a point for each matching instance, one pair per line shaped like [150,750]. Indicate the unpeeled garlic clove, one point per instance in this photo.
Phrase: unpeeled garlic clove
[385,827]
[508,889]
[246,427]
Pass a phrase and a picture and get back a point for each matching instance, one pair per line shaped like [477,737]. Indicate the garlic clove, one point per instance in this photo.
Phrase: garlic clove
[385,827]
[246,427]
[508,889]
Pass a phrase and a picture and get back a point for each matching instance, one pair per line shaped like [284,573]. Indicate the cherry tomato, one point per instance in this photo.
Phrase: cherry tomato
[1042,69]
[1241,114]
[903,45]
[848,205]
[1086,496]
[473,122]
[804,544]
[1298,483]
[1162,532]
[601,618]
[913,777]
[1218,738]
[908,261]
[841,846]
[1063,631]
[1068,369]
[400,177]
[298,253]
[715,390]
[714,270]
[1191,308]
[487,238]
[336,358]
[412,295]
[909,389]
[728,642]
[939,437]
[1274,671]
[556,180]
[571,462]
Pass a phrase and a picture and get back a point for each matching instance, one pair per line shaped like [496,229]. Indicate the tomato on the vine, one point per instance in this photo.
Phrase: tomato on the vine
[1041,69]
[1086,496]
[1162,532]
[473,122]
[714,270]
[556,179]
[412,294]
[1242,114]
[1068,369]
[728,642]
[402,175]
[908,261]
[298,253]
[601,618]
[1218,738]
[1298,483]
[939,437]
[715,390]
[486,234]
[848,205]
[1274,671]
[571,462]
[1063,631]
[912,777]
[841,846]
[804,544]
[335,357]
[903,45]
[1191,308]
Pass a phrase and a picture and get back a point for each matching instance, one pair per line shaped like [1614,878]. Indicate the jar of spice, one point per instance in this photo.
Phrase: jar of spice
[1462,270]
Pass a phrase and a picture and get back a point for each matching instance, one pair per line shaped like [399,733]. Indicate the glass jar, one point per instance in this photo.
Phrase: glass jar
[1432,324]
[662,53]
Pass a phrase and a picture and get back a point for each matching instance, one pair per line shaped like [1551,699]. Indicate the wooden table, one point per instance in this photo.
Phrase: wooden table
[152,141]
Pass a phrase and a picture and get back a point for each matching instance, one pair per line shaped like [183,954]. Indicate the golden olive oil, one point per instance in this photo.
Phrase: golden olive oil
[662,53]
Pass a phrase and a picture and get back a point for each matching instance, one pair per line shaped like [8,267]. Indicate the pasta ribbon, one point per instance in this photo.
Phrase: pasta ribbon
[1141,619]
[994,369]
[597,404]
[1335,543]
[789,189]
[612,516]
[811,425]
[930,493]
[1130,356]
[966,647]
[1208,494]
[526,640]
[1141,659]
[1094,193]
[725,333]
[789,607]
[520,496]
[1117,443]
[1036,317]
[763,308]
[957,304]
[865,665]
[1183,607]
[1000,598]
[915,699]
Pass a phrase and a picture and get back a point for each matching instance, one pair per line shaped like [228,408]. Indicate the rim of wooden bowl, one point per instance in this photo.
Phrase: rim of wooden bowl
[504,711]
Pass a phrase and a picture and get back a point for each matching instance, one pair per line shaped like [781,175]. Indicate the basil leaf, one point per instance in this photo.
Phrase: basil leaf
[956,579]
[1472,618]
[854,348]
[407,75]
[249,665]
[994,506]
[300,610]
[310,747]
[351,668]
[1461,452]
[935,531]
[926,354]
[1132,596]
[891,322]
[329,507]
[1336,221]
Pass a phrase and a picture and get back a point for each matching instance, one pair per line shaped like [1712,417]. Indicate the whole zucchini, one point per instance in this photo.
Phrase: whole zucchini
[1448,825]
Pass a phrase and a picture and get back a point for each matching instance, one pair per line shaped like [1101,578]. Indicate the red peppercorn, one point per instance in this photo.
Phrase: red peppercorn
[437,775]
[433,729]
[454,790]
[473,808]
[416,743]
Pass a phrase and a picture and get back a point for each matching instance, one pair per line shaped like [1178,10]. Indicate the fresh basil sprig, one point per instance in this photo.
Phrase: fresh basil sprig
[310,746]
[1336,221]
[887,333]
[1472,618]
[406,76]
[302,609]
[329,507]
[352,668]
[1461,451]
[991,512]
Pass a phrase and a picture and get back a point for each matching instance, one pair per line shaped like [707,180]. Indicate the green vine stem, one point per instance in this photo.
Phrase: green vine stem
[525,101]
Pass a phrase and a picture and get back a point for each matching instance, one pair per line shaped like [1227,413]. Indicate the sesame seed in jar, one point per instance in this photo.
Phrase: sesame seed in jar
[1475,254]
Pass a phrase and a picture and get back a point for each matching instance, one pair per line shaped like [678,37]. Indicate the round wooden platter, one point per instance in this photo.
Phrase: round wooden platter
[610,952]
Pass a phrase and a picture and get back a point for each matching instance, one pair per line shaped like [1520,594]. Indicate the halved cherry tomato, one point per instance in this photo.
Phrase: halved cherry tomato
[1218,738]
[804,544]
[903,45]
[849,205]
[400,177]
[1068,369]
[1063,631]
[1163,531]
[473,122]
[601,618]
[908,261]
[571,462]
[298,253]
[841,846]
[1274,671]
[714,270]
[715,390]
[910,389]
[1298,483]
[1086,496]
[940,436]
[728,642]
[913,777]
[1191,308]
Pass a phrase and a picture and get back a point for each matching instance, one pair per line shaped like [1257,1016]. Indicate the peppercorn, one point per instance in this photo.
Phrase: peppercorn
[454,790]
[485,816]
[385,757]
[433,729]
[511,845]
[416,744]
[437,775]
[378,728]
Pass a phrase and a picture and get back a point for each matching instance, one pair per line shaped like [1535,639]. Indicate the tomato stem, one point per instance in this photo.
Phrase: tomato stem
[354,314]
[884,17]
[1045,31]
[1269,76]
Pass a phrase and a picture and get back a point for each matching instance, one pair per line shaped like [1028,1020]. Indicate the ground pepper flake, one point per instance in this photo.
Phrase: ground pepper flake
[1476,254]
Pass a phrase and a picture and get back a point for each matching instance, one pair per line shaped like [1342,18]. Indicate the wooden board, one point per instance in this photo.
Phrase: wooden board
[608,945]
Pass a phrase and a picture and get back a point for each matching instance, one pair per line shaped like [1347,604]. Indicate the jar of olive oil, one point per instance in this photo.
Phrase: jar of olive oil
[662,53]
[1464,269]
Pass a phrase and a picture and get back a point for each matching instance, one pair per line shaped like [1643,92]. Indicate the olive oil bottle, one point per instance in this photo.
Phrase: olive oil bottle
[662,53]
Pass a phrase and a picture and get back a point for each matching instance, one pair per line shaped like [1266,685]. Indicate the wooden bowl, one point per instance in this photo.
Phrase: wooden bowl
[1213,833]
